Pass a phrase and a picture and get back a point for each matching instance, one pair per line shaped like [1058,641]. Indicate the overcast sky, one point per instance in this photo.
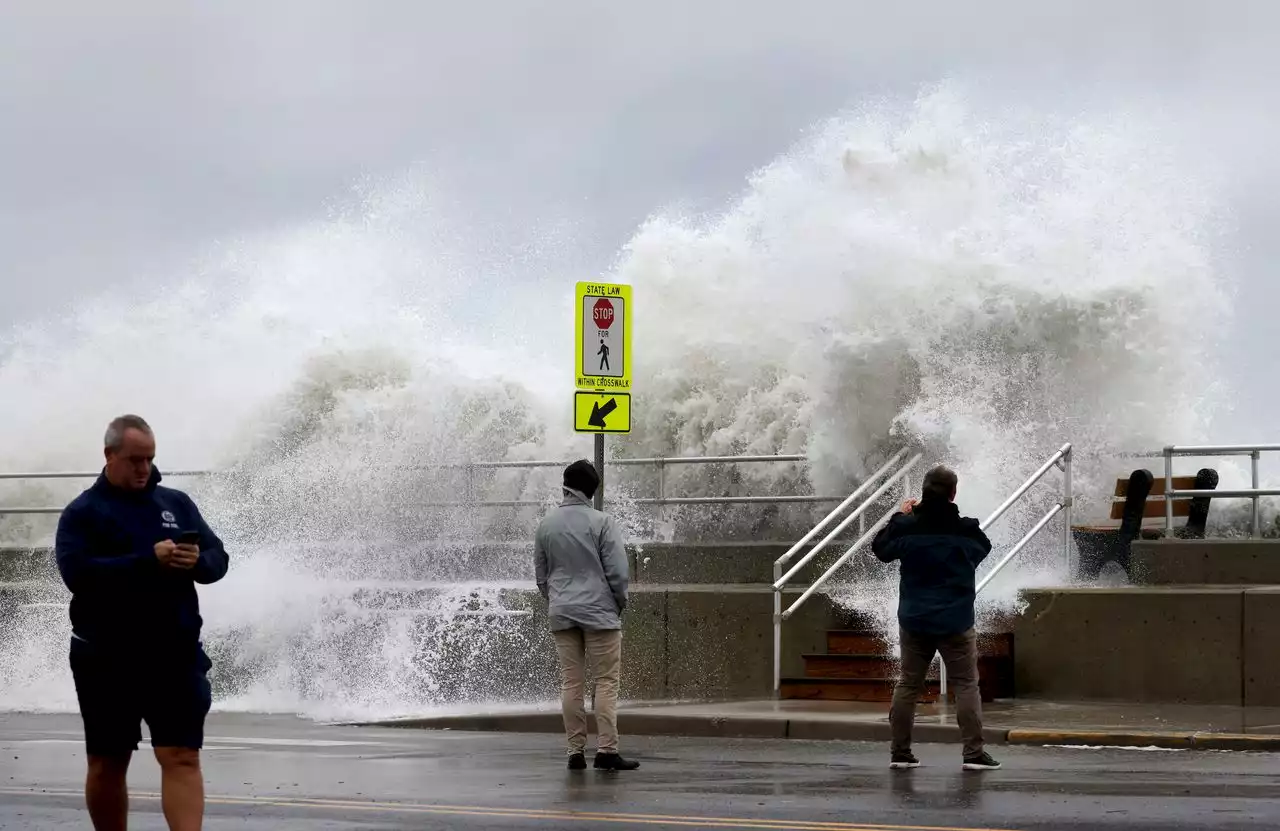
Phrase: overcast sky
[133,134]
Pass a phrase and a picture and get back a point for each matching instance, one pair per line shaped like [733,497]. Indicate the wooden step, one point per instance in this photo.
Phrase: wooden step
[883,666]
[855,642]
[850,666]
[865,642]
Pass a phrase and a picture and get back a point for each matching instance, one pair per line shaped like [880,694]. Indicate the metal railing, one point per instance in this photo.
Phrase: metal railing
[470,468]
[780,580]
[1253,451]
[1062,460]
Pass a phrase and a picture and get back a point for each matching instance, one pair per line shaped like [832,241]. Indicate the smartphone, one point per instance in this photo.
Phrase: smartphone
[189,538]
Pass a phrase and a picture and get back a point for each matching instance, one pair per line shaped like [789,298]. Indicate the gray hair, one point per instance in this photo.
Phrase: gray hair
[114,439]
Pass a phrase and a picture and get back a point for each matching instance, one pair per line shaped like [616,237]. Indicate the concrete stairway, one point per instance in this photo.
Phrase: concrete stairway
[858,666]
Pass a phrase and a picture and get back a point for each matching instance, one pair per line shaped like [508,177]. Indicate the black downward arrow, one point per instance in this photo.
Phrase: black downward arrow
[598,413]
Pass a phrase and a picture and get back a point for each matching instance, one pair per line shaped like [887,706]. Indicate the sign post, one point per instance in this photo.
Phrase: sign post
[602,365]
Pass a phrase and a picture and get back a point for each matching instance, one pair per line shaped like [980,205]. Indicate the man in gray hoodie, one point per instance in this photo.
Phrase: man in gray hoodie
[581,566]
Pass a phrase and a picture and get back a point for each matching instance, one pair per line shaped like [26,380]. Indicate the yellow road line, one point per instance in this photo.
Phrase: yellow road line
[529,813]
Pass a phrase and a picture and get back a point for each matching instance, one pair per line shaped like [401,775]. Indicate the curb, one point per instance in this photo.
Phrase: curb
[1169,740]
[640,723]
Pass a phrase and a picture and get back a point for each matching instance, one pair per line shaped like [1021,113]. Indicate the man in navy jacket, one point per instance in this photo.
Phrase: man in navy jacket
[939,552]
[131,551]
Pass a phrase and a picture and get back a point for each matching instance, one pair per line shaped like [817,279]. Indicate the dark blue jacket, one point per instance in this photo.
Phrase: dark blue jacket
[122,598]
[939,552]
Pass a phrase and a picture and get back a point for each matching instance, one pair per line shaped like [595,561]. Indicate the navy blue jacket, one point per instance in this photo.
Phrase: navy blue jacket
[122,598]
[939,552]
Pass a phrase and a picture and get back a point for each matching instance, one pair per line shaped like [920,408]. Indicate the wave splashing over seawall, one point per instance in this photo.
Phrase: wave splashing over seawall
[907,274]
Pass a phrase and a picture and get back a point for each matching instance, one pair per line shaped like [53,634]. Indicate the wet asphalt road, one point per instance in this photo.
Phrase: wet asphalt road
[281,773]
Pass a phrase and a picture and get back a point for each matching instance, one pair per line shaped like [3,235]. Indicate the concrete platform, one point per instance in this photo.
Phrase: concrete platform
[1206,562]
[1007,722]
[1210,644]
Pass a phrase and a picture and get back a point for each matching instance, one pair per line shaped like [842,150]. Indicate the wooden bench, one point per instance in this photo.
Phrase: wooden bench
[1138,511]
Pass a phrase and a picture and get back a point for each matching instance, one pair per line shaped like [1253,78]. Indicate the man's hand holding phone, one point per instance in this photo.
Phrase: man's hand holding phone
[183,554]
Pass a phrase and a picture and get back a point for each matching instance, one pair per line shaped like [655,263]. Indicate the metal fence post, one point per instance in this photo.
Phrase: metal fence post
[1068,498]
[662,491]
[1168,489]
[1257,518]
[599,453]
[777,634]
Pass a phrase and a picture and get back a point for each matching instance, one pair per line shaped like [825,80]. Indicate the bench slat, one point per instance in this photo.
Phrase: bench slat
[1180,483]
[1154,509]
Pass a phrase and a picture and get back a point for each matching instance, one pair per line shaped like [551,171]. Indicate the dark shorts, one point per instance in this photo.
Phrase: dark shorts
[116,695]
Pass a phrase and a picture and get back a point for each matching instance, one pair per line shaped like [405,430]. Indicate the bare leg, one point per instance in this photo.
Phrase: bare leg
[181,787]
[106,792]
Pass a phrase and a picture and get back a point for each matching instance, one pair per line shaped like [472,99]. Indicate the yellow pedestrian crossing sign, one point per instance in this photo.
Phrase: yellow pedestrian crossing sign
[603,326]
[602,412]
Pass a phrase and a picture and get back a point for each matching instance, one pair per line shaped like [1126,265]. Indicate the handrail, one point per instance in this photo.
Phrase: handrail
[1063,456]
[660,462]
[813,532]
[1253,451]
[853,549]
[1062,453]
[95,474]
[534,503]
[780,581]
[1013,552]
[1060,459]
[532,463]
[1221,449]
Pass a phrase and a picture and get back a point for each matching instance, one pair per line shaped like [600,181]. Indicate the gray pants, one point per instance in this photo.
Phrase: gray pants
[960,654]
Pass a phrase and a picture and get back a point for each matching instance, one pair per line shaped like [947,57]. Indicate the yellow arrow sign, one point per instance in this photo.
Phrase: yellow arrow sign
[602,412]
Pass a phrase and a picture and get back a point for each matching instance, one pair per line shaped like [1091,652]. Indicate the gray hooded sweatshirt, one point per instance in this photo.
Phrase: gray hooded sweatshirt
[580,562]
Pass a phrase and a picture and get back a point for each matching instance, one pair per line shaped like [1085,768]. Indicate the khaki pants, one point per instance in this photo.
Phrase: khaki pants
[604,651]
[960,654]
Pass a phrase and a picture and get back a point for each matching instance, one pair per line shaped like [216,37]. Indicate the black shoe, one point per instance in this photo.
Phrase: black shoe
[578,761]
[902,761]
[983,762]
[612,761]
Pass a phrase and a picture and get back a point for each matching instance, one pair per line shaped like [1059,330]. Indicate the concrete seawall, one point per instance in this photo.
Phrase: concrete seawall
[1199,628]
[699,625]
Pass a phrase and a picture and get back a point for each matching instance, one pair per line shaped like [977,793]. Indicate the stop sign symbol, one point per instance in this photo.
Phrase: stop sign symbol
[602,313]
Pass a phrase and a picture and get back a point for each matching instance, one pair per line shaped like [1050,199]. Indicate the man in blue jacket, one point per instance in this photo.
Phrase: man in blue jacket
[131,552]
[939,551]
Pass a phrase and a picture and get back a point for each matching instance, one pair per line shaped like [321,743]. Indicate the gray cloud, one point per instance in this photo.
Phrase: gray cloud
[134,136]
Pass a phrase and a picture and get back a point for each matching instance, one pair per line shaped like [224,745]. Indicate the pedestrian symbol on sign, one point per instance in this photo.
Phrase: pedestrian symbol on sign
[604,355]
